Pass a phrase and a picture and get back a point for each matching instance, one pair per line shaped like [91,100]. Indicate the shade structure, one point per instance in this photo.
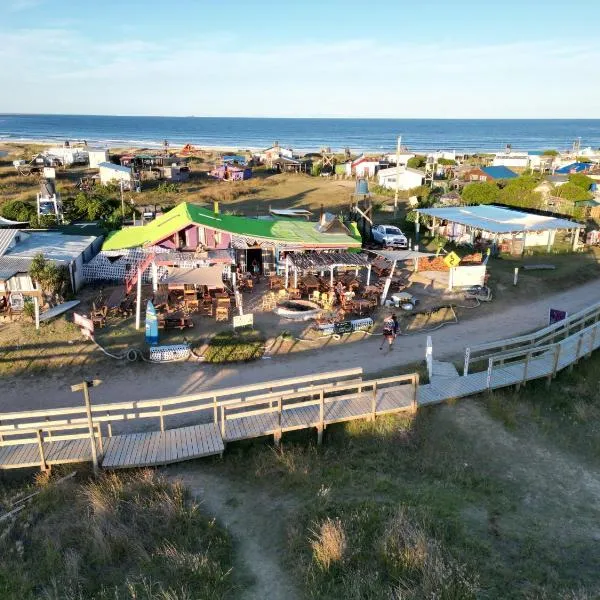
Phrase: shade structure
[212,277]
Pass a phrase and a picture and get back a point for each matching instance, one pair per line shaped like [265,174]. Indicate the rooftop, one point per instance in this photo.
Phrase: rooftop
[576,167]
[496,219]
[185,214]
[54,245]
[108,165]
[499,172]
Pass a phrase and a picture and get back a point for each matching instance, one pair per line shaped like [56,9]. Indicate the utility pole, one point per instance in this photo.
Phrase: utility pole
[397,175]
[84,387]
[122,202]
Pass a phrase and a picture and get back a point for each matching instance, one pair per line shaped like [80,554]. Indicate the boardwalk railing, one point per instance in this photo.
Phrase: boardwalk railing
[547,335]
[52,436]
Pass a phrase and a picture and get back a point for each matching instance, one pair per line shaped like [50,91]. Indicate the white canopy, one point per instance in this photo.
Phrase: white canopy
[211,277]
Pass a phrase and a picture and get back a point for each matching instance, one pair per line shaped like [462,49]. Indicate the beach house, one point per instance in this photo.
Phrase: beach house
[488,174]
[407,178]
[111,173]
[97,156]
[231,172]
[195,236]
[519,160]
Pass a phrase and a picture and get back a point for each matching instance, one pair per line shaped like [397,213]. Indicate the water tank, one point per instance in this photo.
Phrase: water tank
[47,188]
[362,186]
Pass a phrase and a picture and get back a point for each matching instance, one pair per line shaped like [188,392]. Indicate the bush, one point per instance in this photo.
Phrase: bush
[328,543]
[53,279]
[17,210]
[242,346]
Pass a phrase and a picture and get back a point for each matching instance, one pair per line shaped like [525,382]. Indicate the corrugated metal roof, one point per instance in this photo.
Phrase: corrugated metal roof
[499,172]
[7,274]
[498,220]
[107,165]
[6,238]
[17,265]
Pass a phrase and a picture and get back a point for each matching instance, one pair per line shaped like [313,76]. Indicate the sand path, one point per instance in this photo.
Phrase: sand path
[126,382]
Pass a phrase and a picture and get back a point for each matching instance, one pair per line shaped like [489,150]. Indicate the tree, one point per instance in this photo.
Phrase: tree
[519,192]
[581,180]
[52,279]
[571,191]
[416,162]
[17,210]
[583,159]
[446,161]
[481,192]
[550,152]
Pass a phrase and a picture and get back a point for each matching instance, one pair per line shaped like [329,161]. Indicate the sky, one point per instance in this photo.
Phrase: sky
[310,58]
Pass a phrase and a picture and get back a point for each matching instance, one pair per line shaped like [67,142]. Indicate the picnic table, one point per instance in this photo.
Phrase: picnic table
[174,321]
[361,305]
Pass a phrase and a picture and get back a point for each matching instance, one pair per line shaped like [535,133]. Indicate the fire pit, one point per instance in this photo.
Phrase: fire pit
[298,310]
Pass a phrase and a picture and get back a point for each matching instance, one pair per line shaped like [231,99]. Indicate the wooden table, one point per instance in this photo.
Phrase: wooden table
[361,305]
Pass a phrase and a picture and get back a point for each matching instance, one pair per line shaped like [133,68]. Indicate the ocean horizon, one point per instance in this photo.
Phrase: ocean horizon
[304,134]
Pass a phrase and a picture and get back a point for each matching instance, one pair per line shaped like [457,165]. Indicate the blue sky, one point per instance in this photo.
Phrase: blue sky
[404,59]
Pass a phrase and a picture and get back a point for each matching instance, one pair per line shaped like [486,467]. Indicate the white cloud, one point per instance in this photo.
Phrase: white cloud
[21,5]
[220,76]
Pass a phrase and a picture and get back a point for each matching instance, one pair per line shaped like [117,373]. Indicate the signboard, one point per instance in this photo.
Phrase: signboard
[243,321]
[151,324]
[466,276]
[87,325]
[555,315]
[452,260]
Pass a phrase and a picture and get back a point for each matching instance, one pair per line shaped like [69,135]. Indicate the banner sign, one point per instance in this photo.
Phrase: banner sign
[151,324]
[87,325]
[243,321]
[556,315]
[466,276]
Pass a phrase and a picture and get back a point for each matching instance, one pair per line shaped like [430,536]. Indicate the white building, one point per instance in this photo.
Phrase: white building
[511,159]
[404,157]
[97,156]
[19,248]
[408,178]
[445,154]
[111,173]
[69,155]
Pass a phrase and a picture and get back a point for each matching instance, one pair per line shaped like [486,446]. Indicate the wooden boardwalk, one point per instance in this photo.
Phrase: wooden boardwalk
[43,438]
[233,414]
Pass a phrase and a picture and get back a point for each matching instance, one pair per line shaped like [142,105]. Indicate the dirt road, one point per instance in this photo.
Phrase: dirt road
[135,382]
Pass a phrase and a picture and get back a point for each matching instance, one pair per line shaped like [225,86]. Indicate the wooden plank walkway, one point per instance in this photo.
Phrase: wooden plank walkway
[162,447]
[56,453]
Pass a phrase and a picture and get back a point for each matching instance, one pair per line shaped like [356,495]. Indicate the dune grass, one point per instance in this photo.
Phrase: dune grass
[131,536]
[239,346]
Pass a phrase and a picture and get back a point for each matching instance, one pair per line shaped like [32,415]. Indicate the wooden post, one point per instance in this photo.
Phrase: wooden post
[36,306]
[592,340]
[321,417]
[287,272]
[277,434]
[161,417]
[415,404]
[222,421]
[101,443]
[296,277]
[43,465]
[88,410]
[577,352]
[556,357]
[138,303]
[368,274]
[109,426]
[489,373]
[154,276]
[331,276]
[374,401]
[84,387]
[526,368]
[215,410]
[467,361]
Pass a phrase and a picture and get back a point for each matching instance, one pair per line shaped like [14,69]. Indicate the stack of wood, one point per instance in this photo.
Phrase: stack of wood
[381,267]
[472,259]
[433,263]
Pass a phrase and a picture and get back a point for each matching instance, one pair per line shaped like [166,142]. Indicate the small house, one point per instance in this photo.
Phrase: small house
[576,167]
[230,172]
[292,165]
[488,174]
[519,160]
[97,156]
[366,166]
[407,178]
[111,173]
[19,248]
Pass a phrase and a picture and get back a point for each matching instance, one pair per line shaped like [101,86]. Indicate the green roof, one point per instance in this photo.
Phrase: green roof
[279,230]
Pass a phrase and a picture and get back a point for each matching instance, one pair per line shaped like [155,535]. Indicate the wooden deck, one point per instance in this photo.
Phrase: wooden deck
[162,447]
[56,453]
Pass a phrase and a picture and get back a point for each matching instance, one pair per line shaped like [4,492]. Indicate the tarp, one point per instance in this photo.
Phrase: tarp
[209,276]
[8,223]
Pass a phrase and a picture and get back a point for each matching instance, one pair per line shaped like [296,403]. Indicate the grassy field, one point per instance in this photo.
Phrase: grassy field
[495,497]
[133,536]
[251,197]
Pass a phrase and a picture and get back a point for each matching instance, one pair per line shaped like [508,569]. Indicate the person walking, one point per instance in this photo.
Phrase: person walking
[390,331]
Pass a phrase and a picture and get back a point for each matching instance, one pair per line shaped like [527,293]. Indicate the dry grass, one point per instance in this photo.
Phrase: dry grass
[328,543]
[132,536]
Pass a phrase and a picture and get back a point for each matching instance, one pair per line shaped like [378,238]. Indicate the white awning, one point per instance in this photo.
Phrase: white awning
[211,277]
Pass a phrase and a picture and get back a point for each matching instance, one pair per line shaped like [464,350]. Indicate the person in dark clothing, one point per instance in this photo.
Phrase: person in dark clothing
[390,331]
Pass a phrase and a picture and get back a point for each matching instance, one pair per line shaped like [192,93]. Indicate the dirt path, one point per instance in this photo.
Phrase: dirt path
[133,382]
[257,523]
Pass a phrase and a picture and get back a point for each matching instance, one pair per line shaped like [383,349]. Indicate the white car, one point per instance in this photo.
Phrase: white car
[389,236]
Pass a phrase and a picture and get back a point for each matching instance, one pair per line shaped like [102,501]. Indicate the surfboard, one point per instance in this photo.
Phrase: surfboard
[57,310]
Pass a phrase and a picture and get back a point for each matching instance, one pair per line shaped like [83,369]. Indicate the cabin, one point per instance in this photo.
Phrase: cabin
[231,172]
[404,178]
[111,173]
[192,235]
[519,160]
[97,156]
[18,249]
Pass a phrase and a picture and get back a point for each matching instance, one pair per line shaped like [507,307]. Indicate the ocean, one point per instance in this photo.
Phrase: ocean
[359,135]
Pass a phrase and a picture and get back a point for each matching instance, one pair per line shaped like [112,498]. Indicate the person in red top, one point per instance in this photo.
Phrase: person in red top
[390,331]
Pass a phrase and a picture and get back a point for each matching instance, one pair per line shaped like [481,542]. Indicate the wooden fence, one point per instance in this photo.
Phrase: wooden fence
[547,335]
